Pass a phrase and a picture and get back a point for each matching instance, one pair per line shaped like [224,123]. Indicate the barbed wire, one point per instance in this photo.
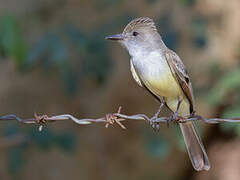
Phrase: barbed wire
[111,118]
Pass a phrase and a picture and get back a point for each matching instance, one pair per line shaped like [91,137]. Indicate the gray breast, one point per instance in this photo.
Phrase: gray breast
[152,65]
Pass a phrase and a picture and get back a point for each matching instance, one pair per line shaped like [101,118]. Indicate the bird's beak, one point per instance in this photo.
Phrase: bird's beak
[115,37]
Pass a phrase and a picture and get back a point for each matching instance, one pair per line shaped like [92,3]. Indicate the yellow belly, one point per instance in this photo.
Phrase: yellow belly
[184,108]
[164,85]
[167,87]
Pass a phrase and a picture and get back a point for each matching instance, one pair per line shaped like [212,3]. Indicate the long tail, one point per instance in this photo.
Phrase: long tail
[195,148]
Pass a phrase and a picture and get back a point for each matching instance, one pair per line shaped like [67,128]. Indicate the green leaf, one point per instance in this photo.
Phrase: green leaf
[227,83]
[230,113]
[237,129]
[11,40]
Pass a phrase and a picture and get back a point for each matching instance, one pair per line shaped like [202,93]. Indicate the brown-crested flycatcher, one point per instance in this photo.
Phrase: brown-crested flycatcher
[160,71]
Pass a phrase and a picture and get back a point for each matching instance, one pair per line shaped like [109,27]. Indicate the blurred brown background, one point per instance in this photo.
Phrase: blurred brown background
[54,60]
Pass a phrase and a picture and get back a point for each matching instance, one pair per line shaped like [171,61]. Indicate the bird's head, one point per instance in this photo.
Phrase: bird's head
[139,34]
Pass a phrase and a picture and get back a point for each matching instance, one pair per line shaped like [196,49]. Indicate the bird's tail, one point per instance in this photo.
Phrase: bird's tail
[195,148]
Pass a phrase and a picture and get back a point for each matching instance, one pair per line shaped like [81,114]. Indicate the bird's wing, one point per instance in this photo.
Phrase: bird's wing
[180,73]
[134,73]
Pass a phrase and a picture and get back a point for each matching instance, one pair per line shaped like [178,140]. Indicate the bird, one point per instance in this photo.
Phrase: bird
[162,73]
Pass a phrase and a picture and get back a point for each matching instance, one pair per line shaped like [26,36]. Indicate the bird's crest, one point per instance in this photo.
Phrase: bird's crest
[139,23]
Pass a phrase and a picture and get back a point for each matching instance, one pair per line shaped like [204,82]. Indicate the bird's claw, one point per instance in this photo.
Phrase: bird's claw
[172,118]
[175,118]
[155,124]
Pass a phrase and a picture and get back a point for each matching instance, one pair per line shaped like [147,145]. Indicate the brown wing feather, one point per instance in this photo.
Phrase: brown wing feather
[180,72]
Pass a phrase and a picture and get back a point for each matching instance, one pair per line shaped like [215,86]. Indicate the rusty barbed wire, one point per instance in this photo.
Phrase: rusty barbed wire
[111,118]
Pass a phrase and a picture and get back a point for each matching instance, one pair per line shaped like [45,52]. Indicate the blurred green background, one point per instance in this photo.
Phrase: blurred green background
[54,60]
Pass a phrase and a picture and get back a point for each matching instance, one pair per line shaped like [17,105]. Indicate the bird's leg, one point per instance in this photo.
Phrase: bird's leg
[155,125]
[159,110]
[175,114]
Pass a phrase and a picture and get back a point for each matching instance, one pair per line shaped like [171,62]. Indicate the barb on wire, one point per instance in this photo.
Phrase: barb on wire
[111,118]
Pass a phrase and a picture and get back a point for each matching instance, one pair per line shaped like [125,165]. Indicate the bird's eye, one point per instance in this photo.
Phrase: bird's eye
[135,33]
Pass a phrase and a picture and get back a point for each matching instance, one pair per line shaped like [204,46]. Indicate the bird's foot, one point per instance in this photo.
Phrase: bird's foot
[173,118]
[154,123]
